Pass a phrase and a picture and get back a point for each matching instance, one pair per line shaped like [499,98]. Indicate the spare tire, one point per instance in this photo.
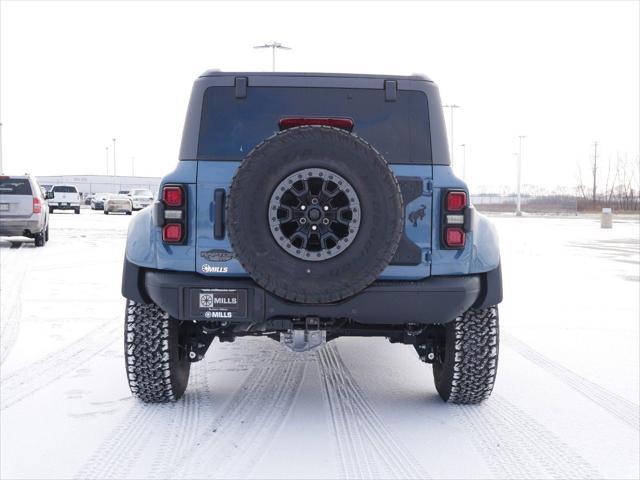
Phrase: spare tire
[314,214]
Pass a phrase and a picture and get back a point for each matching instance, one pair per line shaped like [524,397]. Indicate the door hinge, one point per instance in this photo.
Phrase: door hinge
[390,90]
[241,84]
[428,187]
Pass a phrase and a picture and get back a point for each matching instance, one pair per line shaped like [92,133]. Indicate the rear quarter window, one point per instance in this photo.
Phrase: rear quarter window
[231,127]
[15,186]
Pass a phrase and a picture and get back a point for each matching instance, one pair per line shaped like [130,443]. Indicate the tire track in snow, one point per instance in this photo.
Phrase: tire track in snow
[14,274]
[621,408]
[192,415]
[29,379]
[516,446]
[367,449]
[119,455]
[240,435]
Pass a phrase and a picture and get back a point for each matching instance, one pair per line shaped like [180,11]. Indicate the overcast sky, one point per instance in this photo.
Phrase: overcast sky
[76,74]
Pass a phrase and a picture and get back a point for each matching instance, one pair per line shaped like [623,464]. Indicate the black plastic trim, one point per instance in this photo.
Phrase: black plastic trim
[408,253]
[433,300]
[133,283]
[491,293]
[219,197]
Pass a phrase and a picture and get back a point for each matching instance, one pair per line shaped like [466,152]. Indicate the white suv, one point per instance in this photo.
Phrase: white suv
[65,197]
[23,209]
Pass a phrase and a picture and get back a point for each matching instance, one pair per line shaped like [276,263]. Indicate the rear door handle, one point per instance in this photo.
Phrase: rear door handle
[219,197]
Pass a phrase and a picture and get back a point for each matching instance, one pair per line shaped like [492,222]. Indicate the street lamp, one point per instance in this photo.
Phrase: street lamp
[464,161]
[518,203]
[273,46]
[451,107]
[0,148]
[114,157]
[106,151]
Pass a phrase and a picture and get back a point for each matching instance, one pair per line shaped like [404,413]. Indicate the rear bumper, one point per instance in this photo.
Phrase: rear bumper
[20,226]
[64,205]
[433,300]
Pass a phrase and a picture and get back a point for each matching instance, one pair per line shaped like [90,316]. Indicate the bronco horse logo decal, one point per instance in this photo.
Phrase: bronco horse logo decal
[417,215]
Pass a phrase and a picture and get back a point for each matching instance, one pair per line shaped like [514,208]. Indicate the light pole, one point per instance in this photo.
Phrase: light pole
[518,202]
[273,46]
[133,163]
[114,157]
[1,148]
[464,161]
[451,107]
[106,151]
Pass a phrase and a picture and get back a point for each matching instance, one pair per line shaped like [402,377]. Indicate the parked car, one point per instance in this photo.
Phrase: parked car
[123,192]
[64,197]
[23,209]
[141,198]
[97,201]
[306,207]
[117,203]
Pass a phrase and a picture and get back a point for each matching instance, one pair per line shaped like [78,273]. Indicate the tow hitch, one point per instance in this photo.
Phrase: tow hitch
[304,339]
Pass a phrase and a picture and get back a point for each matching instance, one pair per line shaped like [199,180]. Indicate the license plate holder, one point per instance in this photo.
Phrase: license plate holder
[218,303]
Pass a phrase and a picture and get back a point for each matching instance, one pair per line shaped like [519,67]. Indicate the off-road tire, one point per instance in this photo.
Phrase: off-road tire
[381,214]
[39,239]
[156,359]
[465,372]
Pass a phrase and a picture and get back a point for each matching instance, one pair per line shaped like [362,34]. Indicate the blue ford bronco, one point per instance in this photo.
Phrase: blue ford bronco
[306,207]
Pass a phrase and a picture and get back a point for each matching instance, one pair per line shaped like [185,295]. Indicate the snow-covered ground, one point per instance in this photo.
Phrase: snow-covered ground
[565,403]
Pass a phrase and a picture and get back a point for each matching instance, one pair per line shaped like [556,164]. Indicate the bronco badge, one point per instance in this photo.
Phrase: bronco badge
[217,255]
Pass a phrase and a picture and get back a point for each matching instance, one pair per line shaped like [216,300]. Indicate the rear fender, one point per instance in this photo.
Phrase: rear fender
[144,239]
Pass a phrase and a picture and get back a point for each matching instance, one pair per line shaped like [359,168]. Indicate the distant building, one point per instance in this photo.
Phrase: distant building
[90,184]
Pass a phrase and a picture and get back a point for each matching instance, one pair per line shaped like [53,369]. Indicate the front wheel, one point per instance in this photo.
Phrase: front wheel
[77,211]
[156,353]
[465,366]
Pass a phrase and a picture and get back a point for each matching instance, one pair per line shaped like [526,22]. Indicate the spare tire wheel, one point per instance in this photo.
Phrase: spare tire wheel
[314,214]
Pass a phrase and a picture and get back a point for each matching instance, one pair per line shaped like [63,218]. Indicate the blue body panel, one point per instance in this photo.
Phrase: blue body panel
[144,240]
[145,246]
[214,175]
[481,253]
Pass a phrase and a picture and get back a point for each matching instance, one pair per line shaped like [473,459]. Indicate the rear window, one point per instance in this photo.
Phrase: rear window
[15,186]
[230,127]
[65,189]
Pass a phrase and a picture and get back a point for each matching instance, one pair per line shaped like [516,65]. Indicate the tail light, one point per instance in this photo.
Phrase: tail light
[173,195]
[174,214]
[343,123]
[454,219]
[37,205]
[172,233]
[456,200]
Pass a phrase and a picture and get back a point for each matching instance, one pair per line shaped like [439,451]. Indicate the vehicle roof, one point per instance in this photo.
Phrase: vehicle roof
[63,185]
[2,175]
[219,73]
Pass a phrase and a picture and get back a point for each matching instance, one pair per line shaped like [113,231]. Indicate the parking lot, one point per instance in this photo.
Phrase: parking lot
[565,403]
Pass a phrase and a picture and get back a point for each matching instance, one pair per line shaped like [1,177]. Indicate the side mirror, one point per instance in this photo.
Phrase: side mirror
[48,195]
